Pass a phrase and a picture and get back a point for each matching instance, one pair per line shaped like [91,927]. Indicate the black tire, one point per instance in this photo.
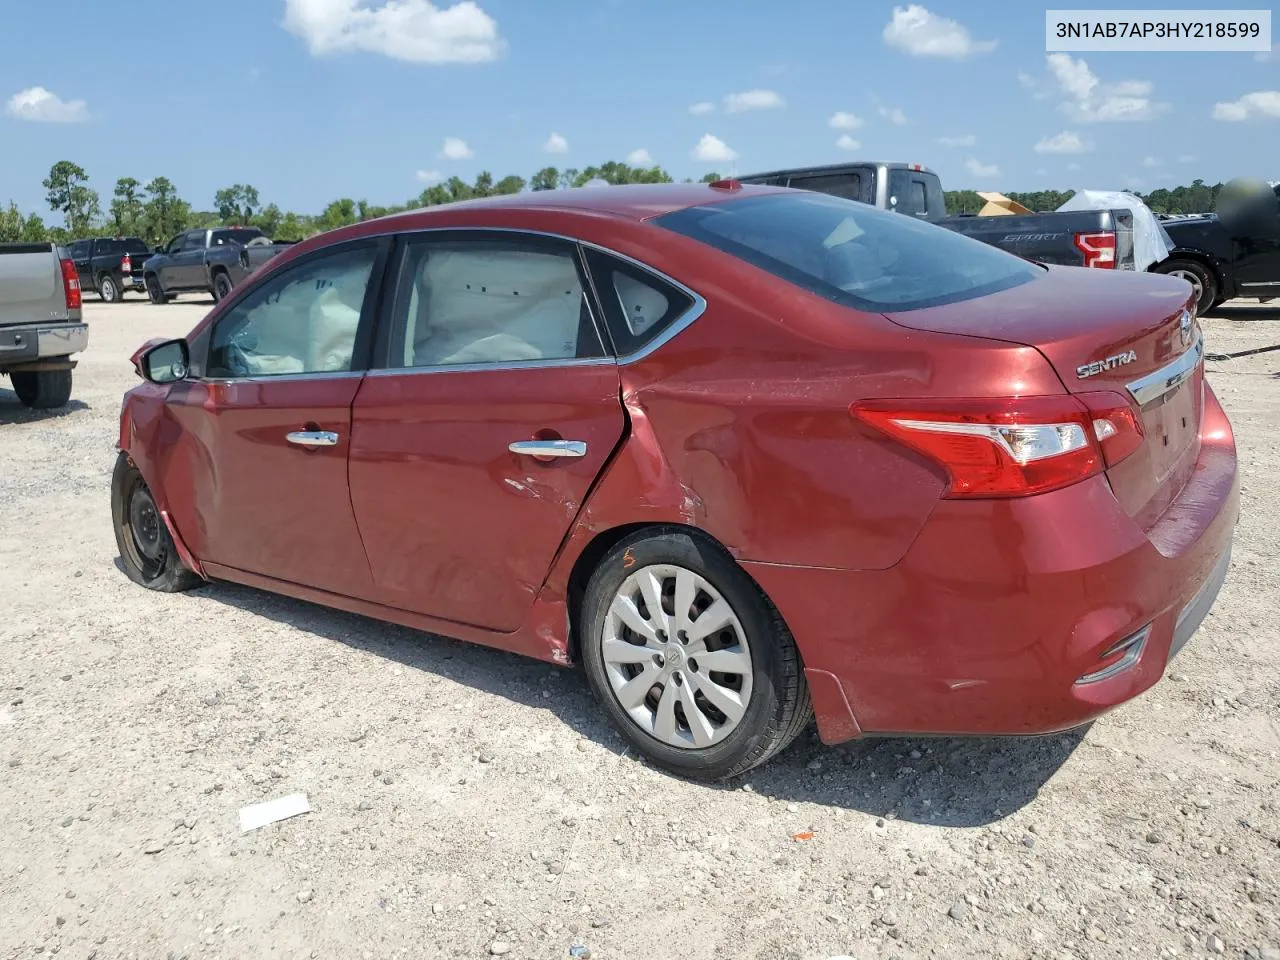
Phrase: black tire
[779,706]
[108,289]
[146,550]
[42,389]
[1198,275]
[154,290]
[222,286]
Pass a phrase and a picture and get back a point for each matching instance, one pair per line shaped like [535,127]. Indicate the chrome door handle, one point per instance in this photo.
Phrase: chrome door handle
[549,448]
[313,438]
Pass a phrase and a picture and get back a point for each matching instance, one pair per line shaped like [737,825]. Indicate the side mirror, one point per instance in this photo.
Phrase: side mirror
[165,362]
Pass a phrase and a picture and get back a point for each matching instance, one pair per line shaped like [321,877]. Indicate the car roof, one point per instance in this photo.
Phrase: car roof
[639,201]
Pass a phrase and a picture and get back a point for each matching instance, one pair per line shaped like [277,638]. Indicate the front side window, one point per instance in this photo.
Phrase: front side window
[496,301]
[302,321]
[175,244]
[852,253]
[194,241]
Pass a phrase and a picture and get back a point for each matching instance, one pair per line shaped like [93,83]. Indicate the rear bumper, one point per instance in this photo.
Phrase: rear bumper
[28,342]
[1000,608]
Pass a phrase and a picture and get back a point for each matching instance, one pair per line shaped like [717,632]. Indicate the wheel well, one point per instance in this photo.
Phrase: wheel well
[219,268]
[595,551]
[1194,257]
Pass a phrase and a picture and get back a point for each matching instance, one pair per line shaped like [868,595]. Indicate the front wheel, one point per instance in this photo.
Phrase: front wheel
[146,550]
[42,389]
[154,290]
[107,289]
[688,658]
[1201,278]
[222,286]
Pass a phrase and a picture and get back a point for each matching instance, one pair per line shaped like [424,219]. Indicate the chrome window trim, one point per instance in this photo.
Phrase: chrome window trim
[1160,382]
[282,377]
[497,365]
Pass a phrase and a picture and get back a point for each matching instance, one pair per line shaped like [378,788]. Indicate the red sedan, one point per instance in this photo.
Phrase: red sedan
[750,455]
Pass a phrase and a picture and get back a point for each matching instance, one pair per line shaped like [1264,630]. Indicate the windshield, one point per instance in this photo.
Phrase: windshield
[852,253]
[239,236]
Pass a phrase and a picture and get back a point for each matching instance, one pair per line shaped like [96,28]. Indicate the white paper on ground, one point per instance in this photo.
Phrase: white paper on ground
[282,808]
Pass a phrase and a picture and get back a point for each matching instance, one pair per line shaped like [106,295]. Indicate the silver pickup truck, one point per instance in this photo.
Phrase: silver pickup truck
[40,325]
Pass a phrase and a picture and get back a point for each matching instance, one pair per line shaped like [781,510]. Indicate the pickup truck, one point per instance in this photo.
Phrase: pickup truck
[106,264]
[209,260]
[1221,261]
[40,325]
[1078,238]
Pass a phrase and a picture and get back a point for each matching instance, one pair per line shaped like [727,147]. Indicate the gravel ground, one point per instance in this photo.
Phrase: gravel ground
[467,803]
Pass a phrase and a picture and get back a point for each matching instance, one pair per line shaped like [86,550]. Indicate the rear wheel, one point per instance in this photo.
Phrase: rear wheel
[154,290]
[107,289]
[42,389]
[688,658]
[1201,278]
[146,549]
[222,286]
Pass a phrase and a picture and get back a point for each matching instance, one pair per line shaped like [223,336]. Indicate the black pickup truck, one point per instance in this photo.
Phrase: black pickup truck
[1221,261]
[1076,238]
[110,265]
[210,260]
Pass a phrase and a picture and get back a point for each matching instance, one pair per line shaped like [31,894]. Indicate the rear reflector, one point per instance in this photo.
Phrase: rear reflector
[1009,447]
[1099,249]
[70,285]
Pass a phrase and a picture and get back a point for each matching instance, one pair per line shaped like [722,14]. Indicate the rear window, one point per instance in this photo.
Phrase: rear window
[239,236]
[852,253]
[129,245]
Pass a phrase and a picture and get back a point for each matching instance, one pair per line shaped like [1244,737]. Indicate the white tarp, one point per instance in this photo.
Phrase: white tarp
[1151,243]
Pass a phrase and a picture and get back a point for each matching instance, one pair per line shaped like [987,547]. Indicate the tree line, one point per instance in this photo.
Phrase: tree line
[155,211]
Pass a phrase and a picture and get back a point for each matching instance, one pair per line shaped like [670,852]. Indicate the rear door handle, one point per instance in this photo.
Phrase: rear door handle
[313,438]
[548,448]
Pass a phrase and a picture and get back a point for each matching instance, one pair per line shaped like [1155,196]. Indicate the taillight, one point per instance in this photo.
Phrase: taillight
[1116,425]
[1004,447]
[126,265]
[70,285]
[1099,249]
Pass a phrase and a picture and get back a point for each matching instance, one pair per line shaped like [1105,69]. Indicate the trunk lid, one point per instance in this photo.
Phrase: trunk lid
[1106,331]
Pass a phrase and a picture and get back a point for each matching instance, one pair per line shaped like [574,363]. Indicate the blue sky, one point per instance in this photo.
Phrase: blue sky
[310,100]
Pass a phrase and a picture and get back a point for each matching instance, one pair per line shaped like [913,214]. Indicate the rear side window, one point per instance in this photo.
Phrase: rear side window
[847,185]
[916,194]
[221,237]
[638,306]
[852,253]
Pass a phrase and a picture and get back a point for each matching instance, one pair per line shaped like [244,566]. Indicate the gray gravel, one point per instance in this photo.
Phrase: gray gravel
[464,801]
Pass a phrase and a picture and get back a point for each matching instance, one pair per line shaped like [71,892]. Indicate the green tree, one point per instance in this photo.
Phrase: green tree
[127,211]
[33,229]
[164,214]
[509,184]
[617,173]
[548,178]
[10,224]
[68,193]
[291,227]
[710,178]
[268,219]
[236,203]
[483,185]
[339,213]
[567,178]
[459,189]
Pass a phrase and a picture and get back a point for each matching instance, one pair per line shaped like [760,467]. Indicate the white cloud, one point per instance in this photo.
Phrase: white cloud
[1038,92]
[844,121]
[698,109]
[894,115]
[979,169]
[429,176]
[1064,142]
[917,31]
[1261,105]
[711,149]
[640,158]
[456,149]
[1187,158]
[1073,166]
[556,144]
[414,30]
[753,100]
[45,106]
[1152,162]
[1089,100]
[968,140]
[846,142]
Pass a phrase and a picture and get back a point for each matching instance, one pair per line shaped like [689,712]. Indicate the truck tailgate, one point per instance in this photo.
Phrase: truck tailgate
[30,284]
